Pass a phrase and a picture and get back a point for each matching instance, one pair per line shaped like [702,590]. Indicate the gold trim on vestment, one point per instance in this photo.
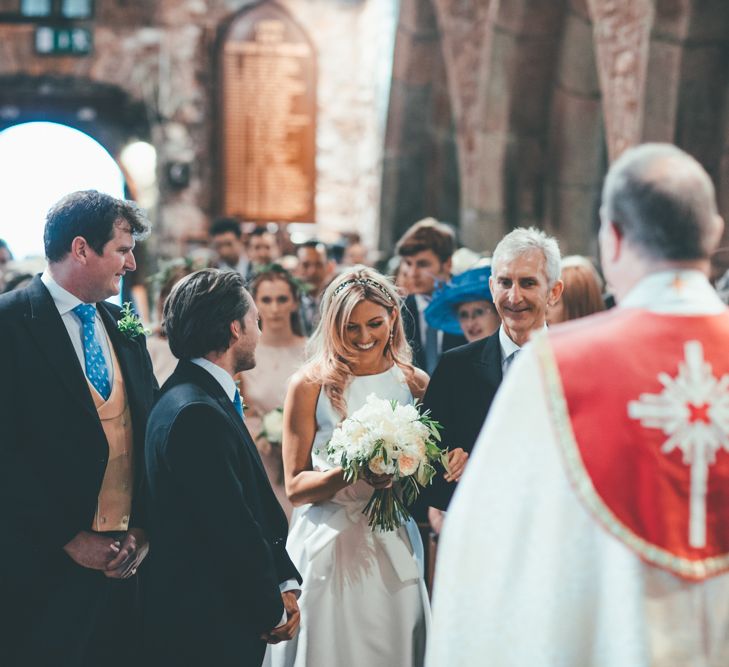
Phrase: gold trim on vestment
[582,483]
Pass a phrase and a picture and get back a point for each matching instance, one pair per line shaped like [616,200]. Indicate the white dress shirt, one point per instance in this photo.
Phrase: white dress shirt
[225,380]
[508,348]
[65,303]
[526,576]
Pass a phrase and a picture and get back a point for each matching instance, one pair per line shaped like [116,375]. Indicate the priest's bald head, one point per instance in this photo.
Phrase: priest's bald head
[658,212]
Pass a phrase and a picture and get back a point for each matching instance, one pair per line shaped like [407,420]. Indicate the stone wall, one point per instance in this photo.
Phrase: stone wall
[498,112]
[161,59]
[545,92]
[420,176]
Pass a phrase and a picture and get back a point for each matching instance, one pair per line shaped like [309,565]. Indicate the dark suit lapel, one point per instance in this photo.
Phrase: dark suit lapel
[490,361]
[51,337]
[212,386]
[451,340]
[234,417]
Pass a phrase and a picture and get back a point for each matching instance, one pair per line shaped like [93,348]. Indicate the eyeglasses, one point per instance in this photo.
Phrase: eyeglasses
[464,315]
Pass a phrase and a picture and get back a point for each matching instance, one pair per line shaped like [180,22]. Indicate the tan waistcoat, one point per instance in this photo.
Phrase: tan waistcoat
[115,496]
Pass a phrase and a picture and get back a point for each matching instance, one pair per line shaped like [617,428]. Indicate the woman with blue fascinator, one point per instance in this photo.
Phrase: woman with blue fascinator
[465,306]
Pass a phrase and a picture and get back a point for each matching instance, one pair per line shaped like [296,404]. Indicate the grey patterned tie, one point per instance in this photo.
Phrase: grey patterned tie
[510,360]
[431,349]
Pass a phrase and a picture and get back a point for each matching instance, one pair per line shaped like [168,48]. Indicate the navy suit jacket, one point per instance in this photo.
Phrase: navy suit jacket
[217,529]
[459,396]
[53,456]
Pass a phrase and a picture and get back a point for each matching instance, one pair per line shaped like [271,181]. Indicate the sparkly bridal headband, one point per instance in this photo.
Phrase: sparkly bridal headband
[367,282]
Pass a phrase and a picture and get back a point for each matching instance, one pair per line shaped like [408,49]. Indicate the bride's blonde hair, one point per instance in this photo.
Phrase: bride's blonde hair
[330,356]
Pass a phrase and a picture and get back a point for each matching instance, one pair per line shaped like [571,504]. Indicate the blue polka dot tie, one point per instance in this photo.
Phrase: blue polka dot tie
[96,370]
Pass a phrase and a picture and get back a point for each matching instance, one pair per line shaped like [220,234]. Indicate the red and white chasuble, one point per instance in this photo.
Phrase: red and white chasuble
[645,434]
[591,526]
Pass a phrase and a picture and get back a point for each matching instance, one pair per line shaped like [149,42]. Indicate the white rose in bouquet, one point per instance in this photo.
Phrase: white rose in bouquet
[387,438]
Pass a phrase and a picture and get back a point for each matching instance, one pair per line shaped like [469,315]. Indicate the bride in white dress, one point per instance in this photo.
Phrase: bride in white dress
[363,600]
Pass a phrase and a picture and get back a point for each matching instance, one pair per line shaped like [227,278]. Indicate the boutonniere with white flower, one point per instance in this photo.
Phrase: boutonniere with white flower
[129,325]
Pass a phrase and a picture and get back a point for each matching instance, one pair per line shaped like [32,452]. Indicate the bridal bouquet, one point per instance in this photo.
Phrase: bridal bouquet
[387,438]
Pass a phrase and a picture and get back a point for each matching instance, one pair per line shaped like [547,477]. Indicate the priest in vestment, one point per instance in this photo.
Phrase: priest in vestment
[591,527]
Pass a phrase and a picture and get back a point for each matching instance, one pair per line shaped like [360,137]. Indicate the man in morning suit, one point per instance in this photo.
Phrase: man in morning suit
[74,398]
[524,282]
[426,250]
[220,583]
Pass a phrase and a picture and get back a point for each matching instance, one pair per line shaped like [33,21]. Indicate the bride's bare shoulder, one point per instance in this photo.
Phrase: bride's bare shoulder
[418,383]
[303,388]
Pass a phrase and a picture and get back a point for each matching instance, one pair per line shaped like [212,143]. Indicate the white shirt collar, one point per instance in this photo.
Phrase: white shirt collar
[508,346]
[685,292]
[224,378]
[64,300]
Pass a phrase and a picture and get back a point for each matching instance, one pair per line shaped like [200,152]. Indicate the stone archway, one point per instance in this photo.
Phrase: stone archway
[103,111]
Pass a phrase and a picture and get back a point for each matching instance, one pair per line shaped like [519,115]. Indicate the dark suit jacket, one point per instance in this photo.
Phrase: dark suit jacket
[459,397]
[411,322]
[218,531]
[53,455]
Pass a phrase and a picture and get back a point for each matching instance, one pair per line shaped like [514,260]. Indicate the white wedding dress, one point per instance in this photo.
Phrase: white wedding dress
[363,600]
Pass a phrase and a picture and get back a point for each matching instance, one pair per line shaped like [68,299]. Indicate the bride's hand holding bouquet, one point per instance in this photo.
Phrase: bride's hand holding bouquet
[393,448]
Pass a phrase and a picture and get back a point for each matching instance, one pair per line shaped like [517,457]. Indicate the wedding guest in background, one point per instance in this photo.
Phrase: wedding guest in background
[279,354]
[262,249]
[77,388]
[221,584]
[20,273]
[335,252]
[5,258]
[356,253]
[163,361]
[315,269]
[465,306]
[5,254]
[582,294]
[286,246]
[226,239]
[396,269]
[15,280]
[425,252]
